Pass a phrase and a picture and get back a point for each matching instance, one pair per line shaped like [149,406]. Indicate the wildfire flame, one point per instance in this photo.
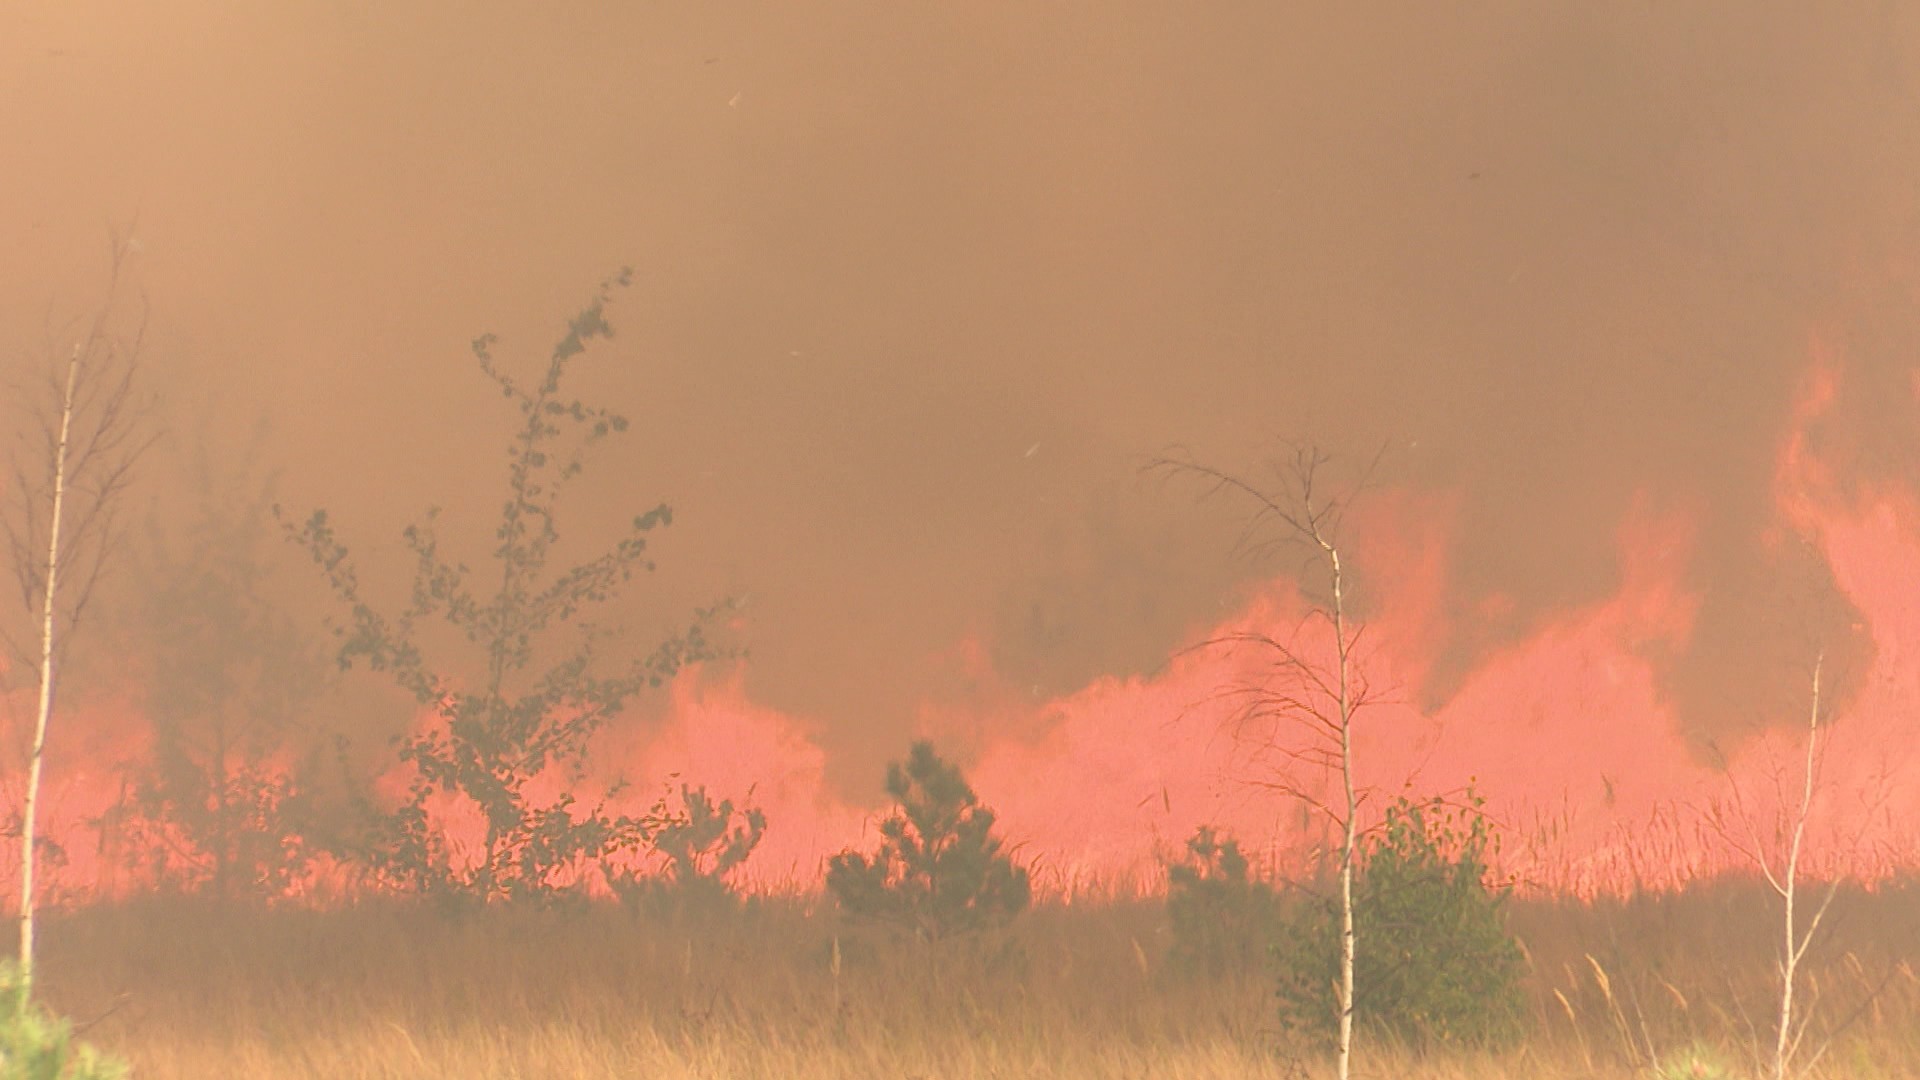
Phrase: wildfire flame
[1565,732]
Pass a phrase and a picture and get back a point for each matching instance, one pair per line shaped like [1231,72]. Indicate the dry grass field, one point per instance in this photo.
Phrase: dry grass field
[1655,986]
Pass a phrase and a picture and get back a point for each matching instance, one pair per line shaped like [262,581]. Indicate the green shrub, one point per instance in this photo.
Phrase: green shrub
[1222,918]
[37,1045]
[701,845]
[939,870]
[1433,961]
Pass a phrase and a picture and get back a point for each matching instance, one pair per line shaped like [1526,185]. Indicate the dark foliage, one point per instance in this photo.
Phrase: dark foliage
[536,702]
[701,845]
[939,870]
[1434,962]
[219,809]
[1223,919]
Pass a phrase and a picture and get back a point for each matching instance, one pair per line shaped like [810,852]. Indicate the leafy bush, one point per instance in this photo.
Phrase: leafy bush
[701,845]
[939,870]
[232,831]
[1222,917]
[37,1045]
[217,808]
[1433,961]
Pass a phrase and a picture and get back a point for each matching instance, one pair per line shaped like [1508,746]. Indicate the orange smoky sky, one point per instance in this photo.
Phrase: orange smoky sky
[919,287]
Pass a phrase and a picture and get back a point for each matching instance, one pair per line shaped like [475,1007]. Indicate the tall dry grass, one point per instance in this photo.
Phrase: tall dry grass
[1619,988]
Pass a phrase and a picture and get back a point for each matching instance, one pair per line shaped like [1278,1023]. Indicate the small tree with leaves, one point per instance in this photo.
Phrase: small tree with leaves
[701,848]
[1222,916]
[940,870]
[1438,965]
[536,702]
[231,670]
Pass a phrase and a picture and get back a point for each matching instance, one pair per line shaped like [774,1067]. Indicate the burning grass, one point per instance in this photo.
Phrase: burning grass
[783,989]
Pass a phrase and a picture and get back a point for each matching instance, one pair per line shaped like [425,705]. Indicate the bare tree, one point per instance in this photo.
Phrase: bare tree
[1779,858]
[81,430]
[1303,688]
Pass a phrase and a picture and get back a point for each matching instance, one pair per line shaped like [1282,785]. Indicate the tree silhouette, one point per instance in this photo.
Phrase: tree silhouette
[940,870]
[535,705]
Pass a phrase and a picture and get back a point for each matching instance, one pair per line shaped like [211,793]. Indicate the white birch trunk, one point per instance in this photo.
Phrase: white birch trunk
[1794,945]
[1344,1058]
[47,627]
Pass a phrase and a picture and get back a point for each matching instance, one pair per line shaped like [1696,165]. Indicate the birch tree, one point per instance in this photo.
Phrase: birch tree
[1318,691]
[80,431]
[1780,858]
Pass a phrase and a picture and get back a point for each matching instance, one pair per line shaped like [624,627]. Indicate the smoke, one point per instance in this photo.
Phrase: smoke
[918,289]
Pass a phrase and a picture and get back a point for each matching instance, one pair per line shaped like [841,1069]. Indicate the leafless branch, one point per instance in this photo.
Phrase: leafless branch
[84,430]
[1320,698]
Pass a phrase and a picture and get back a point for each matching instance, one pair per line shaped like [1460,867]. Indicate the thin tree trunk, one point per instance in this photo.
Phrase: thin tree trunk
[1345,1055]
[1305,521]
[34,762]
[1793,946]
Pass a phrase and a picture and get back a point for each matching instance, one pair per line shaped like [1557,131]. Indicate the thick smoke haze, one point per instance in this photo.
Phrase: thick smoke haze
[920,287]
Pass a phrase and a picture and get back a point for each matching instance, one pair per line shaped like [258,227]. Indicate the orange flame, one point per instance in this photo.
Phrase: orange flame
[1565,732]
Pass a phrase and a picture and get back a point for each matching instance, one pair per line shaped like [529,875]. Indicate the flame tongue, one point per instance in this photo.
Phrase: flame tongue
[1565,731]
